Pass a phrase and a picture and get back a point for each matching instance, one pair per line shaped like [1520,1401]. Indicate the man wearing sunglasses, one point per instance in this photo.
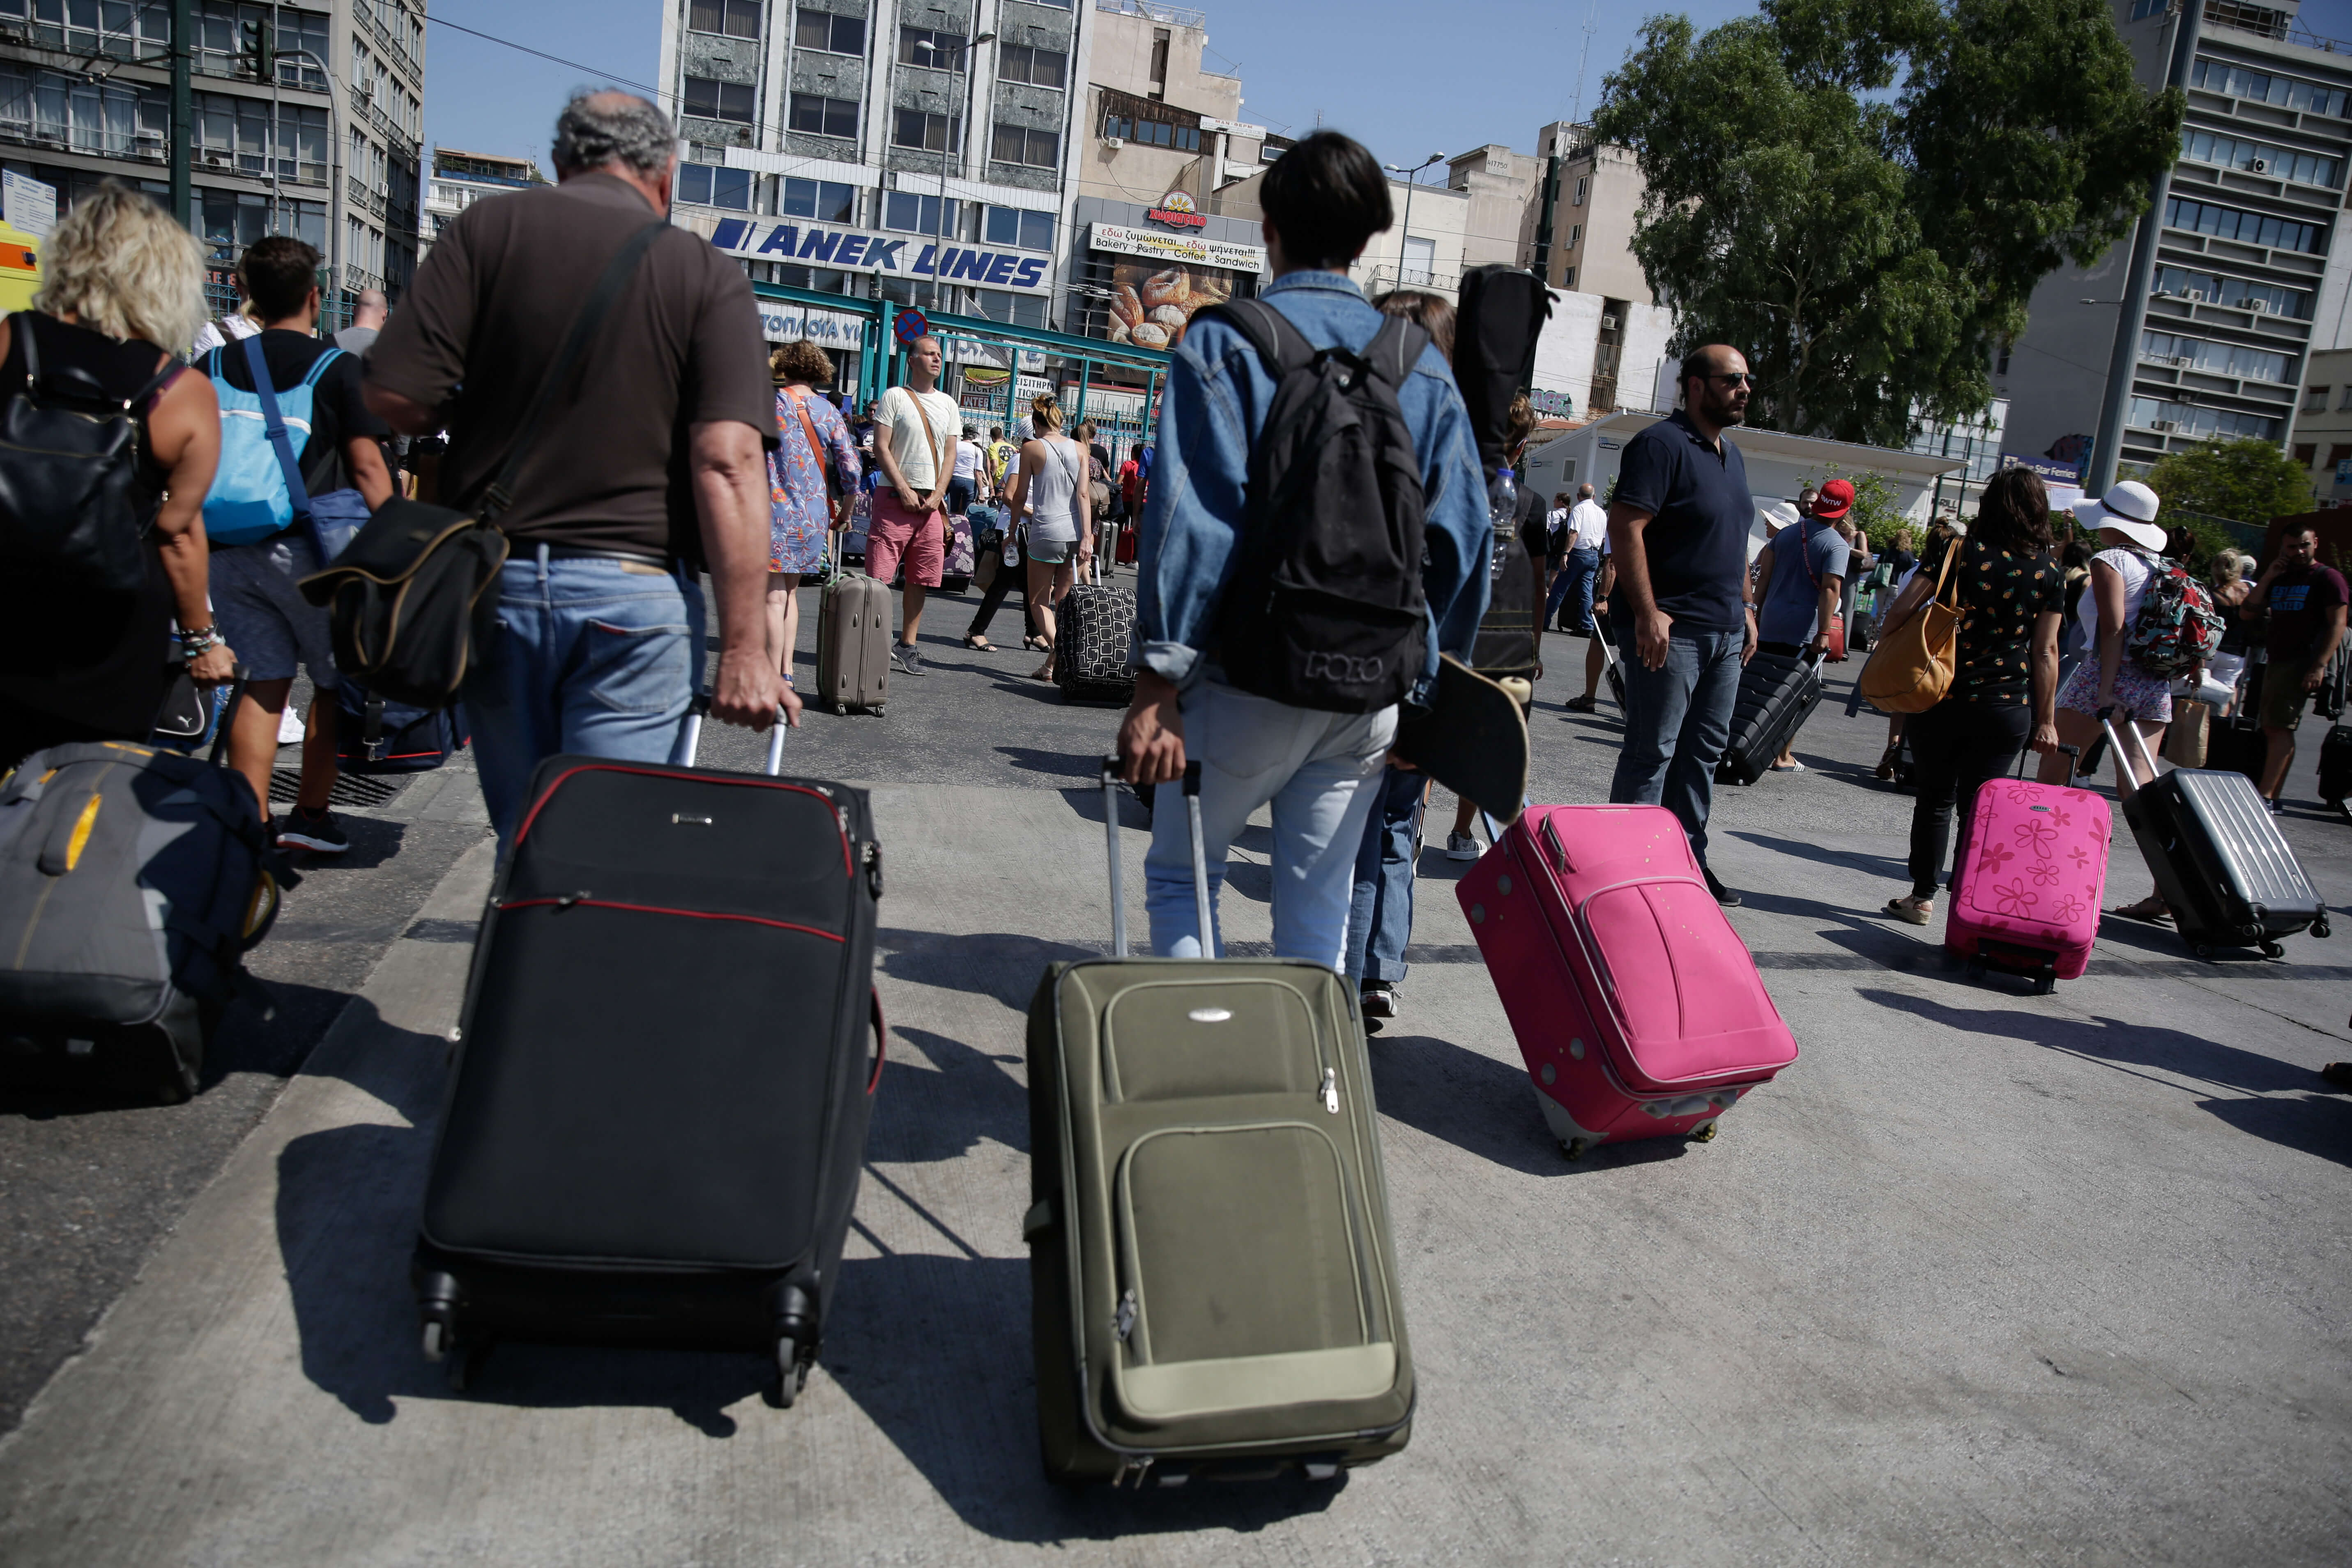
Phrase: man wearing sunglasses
[1682,613]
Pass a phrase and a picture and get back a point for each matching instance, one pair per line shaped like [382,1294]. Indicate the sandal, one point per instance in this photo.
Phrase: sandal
[1886,760]
[2150,909]
[980,645]
[1039,644]
[1579,705]
[1911,909]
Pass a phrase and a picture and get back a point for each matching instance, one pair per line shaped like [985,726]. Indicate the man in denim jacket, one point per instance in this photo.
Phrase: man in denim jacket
[1323,201]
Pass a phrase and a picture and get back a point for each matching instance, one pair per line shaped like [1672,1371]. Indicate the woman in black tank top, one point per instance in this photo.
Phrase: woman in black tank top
[92,666]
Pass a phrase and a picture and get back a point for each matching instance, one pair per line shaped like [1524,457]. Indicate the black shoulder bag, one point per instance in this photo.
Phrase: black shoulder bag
[411,596]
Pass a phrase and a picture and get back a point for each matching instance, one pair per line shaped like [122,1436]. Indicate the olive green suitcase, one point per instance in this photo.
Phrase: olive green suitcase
[1215,1290]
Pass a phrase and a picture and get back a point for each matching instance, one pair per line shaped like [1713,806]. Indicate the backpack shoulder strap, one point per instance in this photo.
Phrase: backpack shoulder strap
[1280,346]
[273,424]
[318,366]
[1395,349]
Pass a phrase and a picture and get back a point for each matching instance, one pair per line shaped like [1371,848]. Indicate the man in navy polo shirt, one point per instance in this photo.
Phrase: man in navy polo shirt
[1681,614]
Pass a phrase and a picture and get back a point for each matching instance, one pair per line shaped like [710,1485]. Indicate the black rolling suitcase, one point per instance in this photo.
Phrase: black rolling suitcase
[1777,692]
[2335,767]
[666,1066]
[2216,855]
[1094,629]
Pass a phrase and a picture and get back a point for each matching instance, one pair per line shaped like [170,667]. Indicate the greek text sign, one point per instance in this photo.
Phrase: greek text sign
[804,244]
[782,322]
[1190,248]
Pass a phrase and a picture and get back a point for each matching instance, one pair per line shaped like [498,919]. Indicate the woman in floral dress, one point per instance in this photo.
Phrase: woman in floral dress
[804,500]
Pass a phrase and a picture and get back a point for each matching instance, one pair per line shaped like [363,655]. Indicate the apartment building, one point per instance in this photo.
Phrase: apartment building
[324,146]
[2322,446]
[919,150]
[2243,258]
[460,179]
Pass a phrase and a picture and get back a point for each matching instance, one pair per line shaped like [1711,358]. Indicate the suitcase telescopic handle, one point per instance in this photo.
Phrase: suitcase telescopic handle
[2074,755]
[239,680]
[2126,785]
[689,739]
[1200,860]
[1110,772]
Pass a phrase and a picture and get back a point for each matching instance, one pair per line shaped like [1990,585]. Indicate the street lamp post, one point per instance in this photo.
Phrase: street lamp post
[334,158]
[1411,176]
[939,219]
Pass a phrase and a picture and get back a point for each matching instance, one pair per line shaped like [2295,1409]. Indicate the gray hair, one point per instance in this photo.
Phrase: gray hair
[600,128]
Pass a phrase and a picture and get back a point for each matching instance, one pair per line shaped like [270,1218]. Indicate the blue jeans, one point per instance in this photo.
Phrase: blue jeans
[1319,770]
[592,657]
[1379,917]
[1581,570]
[1678,722]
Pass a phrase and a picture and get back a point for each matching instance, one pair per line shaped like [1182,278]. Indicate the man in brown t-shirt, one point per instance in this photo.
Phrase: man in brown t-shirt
[650,463]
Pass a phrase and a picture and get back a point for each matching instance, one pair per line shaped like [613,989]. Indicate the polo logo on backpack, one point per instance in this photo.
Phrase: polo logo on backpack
[258,490]
[1325,608]
[2177,628]
[69,510]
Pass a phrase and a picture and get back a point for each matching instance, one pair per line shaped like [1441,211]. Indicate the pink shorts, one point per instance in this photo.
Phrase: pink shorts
[894,532]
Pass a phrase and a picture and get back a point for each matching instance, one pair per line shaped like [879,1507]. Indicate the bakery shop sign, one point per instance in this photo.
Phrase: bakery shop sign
[1177,249]
[1177,211]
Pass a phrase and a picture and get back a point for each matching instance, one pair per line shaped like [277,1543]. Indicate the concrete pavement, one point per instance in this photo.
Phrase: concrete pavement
[1984,1279]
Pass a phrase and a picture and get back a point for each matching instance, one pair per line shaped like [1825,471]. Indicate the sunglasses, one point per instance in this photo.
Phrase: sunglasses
[1736,378]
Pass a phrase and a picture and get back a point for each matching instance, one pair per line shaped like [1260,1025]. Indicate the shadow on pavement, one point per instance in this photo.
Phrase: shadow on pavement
[348,1200]
[2313,1124]
[1484,1107]
[267,1029]
[1001,965]
[1890,867]
[942,1113]
[935,1351]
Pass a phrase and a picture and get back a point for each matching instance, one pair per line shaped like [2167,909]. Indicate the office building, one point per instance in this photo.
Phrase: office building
[325,147]
[919,151]
[461,179]
[2244,272]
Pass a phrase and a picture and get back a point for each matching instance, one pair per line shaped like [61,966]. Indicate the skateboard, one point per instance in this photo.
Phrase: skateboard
[1472,738]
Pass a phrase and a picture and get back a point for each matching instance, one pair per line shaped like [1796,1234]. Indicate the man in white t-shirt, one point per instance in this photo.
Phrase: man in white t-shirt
[915,431]
[1588,526]
[965,486]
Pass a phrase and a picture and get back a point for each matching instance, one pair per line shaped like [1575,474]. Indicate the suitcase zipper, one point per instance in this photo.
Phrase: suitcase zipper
[1331,1091]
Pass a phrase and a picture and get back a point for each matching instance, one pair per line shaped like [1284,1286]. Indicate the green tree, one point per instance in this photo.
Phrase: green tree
[1877,507]
[2247,480]
[1869,244]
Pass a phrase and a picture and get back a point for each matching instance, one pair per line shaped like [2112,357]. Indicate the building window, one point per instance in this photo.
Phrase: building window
[833,35]
[2207,288]
[736,19]
[706,185]
[2305,454]
[932,50]
[2315,400]
[2236,81]
[1038,67]
[824,116]
[2247,228]
[2337,452]
[1152,132]
[1021,144]
[2221,359]
[910,213]
[2143,9]
[928,132]
[1567,280]
[2260,158]
[235,220]
[2195,421]
[1019,309]
[1581,182]
[235,133]
[1014,226]
[1575,236]
[720,99]
[820,199]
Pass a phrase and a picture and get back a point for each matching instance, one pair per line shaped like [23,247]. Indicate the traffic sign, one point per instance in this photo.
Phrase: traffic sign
[911,324]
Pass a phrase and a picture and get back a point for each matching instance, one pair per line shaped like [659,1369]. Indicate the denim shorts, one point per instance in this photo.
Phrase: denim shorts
[262,614]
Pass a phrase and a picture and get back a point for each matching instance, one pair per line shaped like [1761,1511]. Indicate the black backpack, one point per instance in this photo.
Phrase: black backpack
[1324,609]
[70,517]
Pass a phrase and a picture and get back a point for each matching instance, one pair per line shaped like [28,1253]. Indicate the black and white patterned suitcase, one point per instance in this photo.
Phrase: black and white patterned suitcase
[1094,627]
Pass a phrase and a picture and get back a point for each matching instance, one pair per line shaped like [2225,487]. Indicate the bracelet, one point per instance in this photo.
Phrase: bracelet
[194,644]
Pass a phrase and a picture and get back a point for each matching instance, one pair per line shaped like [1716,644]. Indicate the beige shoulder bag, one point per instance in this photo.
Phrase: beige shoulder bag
[1912,668]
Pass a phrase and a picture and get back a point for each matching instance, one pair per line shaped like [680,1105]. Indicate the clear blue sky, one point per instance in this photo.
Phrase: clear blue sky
[1409,79]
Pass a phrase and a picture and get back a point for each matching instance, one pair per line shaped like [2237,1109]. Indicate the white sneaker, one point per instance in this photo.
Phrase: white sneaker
[292,726]
[1461,846]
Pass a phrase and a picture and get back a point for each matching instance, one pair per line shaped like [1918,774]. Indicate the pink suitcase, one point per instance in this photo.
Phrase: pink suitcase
[2026,894]
[1636,1005]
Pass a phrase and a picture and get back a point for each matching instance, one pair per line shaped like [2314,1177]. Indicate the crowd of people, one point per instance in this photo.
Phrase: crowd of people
[734,461]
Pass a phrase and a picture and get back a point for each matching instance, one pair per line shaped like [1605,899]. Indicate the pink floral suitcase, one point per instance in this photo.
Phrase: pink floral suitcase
[1637,1006]
[2026,895]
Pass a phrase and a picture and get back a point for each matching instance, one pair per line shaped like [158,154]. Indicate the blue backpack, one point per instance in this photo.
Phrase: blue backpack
[257,489]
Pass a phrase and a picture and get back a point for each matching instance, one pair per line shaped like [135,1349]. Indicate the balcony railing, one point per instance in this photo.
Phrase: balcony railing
[2268,22]
[1174,16]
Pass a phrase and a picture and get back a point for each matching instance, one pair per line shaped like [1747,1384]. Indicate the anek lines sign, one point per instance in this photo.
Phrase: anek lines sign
[893,255]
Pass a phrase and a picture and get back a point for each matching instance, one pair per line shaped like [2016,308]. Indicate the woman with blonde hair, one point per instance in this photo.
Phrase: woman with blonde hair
[1049,486]
[122,293]
[2232,583]
[804,500]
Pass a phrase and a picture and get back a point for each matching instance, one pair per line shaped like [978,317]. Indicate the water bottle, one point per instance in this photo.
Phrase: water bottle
[1503,510]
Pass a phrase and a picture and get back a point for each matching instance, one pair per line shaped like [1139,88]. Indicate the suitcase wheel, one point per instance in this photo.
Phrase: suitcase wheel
[436,1340]
[2320,926]
[2201,949]
[840,710]
[1574,1148]
[2045,985]
[464,1365]
[792,1373]
[1705,1134]
[877,709]
[2274,950]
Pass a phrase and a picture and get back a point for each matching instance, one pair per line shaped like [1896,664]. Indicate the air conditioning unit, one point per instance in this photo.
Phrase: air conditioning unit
[1114,143]
[2258,307]
[2259,165]
[2184,358]
[2165,425]
[2194,296]
[1607,323]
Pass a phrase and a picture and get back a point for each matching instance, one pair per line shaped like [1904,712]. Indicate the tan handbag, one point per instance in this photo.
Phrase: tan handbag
[1911,668]
[2184,739]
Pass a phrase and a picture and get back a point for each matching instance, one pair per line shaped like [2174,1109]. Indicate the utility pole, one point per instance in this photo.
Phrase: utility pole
[183,116]
[2131,317]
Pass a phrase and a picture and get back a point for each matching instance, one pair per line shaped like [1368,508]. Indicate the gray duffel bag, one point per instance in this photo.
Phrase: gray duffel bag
[133,881]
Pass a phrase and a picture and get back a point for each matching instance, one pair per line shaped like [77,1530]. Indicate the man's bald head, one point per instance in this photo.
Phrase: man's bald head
[370,308]
[1710,394]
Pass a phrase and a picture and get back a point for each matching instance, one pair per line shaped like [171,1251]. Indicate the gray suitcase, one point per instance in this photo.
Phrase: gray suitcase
[1166,1097]
[853,644]
[133,881]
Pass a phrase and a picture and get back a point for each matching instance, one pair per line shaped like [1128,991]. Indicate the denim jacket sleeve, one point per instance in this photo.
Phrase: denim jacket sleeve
[1200,485]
